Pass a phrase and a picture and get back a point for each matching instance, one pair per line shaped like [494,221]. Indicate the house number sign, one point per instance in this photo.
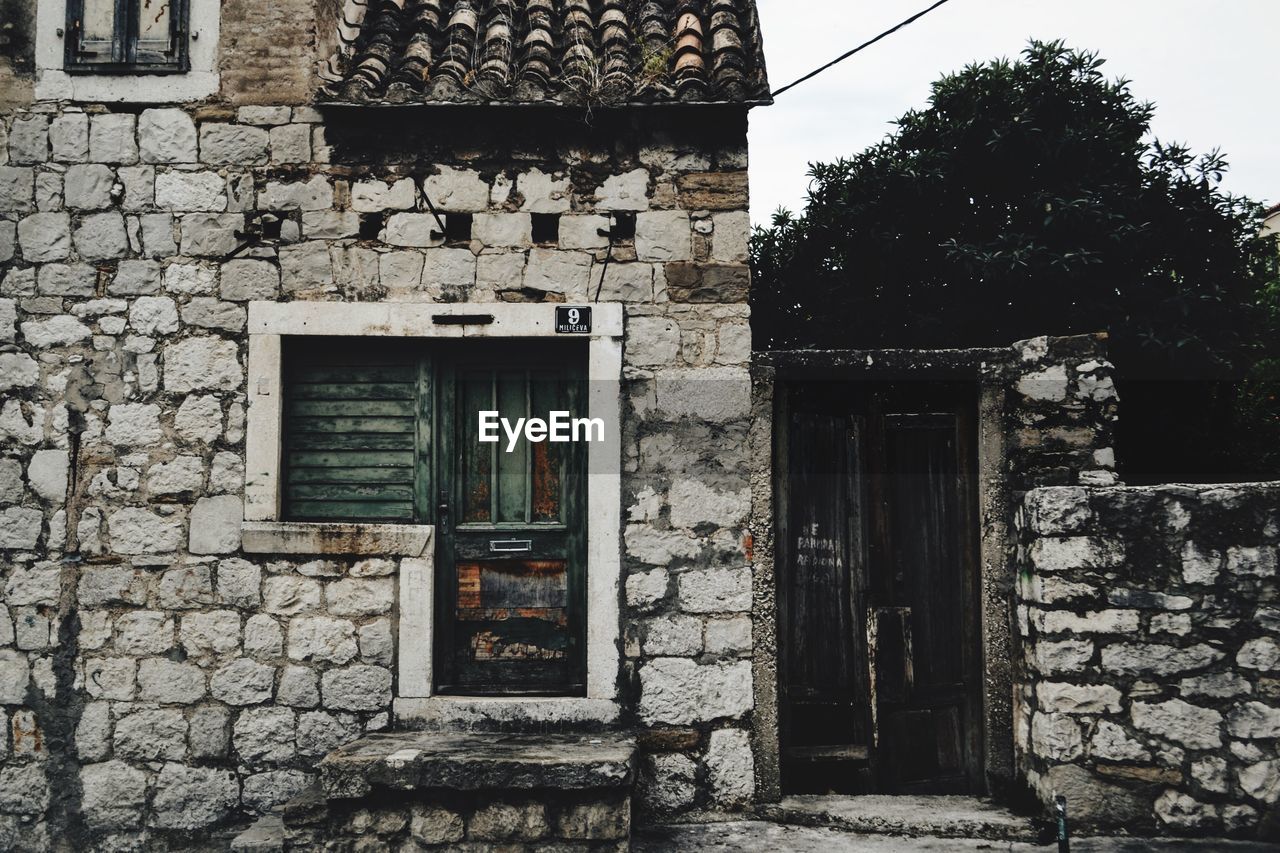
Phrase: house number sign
[572,320]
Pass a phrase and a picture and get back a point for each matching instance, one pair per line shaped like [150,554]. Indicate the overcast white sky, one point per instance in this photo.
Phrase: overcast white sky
[1212,69]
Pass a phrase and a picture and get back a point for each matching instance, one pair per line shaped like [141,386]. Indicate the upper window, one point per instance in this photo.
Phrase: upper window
[134,36]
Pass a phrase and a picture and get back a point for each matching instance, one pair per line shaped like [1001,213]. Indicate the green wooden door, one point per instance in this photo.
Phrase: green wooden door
[511,524]
[388,431]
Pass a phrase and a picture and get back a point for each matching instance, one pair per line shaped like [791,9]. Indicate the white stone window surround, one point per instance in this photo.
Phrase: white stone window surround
[264,532]
[201,81]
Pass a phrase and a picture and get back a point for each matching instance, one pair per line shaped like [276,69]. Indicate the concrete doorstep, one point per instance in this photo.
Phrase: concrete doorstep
[755,836]
[935,816]
[890,824]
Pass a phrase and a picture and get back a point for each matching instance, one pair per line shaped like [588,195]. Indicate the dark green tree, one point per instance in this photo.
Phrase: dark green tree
[1029,198]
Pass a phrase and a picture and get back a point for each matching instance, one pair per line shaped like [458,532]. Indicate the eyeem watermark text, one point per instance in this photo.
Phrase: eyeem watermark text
[559,427]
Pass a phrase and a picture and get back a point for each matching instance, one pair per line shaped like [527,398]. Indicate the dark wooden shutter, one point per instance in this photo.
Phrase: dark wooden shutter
[96,32]
[350,438]
[117,36]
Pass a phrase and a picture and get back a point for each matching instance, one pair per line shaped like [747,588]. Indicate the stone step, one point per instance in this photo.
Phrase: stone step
[937,816]
[437,790]
[477,761]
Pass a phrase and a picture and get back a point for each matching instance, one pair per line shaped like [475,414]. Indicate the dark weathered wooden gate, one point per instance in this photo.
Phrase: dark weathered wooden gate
[878,600]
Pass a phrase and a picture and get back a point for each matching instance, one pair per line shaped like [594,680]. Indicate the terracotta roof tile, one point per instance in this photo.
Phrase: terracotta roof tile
[605,52]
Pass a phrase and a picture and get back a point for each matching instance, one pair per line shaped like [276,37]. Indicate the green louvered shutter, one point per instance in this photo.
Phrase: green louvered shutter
[350,437]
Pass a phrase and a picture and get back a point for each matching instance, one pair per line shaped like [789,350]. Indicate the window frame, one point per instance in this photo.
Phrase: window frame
[263,531]
[125,41]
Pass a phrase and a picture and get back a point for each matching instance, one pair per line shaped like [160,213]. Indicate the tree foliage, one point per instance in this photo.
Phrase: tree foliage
[1027,198]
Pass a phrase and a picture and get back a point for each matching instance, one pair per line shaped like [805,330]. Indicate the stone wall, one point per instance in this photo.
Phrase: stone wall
[1149,690]
[687,491]
[1058,413]
[566,822]
[156,680]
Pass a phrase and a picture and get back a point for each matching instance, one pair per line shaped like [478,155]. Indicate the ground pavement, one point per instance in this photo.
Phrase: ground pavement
[751,836]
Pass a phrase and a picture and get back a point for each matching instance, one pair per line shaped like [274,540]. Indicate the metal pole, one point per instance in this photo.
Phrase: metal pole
[1064,832]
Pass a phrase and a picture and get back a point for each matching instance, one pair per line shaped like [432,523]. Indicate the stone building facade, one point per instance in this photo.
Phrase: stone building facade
[176,653]
[197,267]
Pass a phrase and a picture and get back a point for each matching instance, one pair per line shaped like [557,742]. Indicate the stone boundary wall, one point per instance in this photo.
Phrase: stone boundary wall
[1059,412]
[155,680]
[1149,689]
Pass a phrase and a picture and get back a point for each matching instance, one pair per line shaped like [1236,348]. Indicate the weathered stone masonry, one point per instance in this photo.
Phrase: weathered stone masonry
[154,678]
[1148,692]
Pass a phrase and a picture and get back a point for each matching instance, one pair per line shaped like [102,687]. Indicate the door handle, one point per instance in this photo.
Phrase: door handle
[442,509]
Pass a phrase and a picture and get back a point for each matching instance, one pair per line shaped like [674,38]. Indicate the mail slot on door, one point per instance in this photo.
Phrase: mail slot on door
[510,546]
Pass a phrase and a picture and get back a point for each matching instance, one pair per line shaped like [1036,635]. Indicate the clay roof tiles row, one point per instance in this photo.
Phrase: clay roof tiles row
[606,52]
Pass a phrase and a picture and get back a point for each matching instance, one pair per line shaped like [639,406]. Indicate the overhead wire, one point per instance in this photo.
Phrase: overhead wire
[862,46]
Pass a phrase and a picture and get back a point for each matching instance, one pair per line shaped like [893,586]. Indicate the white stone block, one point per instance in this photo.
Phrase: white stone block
[628,191]
[111,138]
[555,271]
[242,682]
[503,229]
[166,681]
[199,419]
[18,370]
[45,237]
[731,767]
[202,363]
[193,797]
[166,136]
[322,639]
[416,230]
[715,590]
[69,137]
[133,424]
[448,268]
[583,231]
[313,194]
[87,187]
[134,530]
[191,191]
[101,237]
[233,144]
[374,196]
[210,632]
[215,525]
[543,193]
[356,688]
[291,143]
[1077,698]
[678,691]
[457,190]
[1181,722]
[731,238]
[664,235]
